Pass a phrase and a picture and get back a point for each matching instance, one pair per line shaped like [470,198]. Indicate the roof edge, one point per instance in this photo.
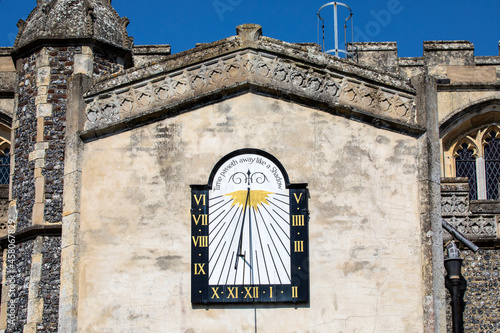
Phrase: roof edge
[304,54]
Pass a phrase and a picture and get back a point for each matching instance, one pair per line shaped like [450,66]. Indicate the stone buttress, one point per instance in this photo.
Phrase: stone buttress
[60,46]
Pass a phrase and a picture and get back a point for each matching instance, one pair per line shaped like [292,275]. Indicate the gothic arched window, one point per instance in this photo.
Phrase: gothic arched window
[465,163]
[477,157]
[492,164]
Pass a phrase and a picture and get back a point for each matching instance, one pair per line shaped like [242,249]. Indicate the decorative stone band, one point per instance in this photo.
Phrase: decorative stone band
[475,227]
[456,203]
[261,69]
[477,220]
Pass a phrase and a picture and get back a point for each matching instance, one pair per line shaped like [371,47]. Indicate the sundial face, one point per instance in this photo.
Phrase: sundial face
[249,223]
[249,233]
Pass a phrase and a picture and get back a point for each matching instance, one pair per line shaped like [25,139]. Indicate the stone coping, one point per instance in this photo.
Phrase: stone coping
[485,206]
[6,51]
[469,86]
[375,46]
[261,64]
[296,52]
[487,60]
[151,49]
[447,45]
[251,71]
[411,61]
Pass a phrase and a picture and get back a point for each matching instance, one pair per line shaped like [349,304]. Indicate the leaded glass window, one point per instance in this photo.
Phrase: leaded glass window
[465,163]
[492,165]
[4,167]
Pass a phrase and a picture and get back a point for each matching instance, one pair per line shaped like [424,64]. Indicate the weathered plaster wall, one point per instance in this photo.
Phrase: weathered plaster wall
[365,248]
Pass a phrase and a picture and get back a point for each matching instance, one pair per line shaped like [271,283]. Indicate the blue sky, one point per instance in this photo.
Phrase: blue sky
[182,24]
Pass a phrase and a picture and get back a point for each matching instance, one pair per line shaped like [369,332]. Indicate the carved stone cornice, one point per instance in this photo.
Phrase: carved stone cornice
[248,66]
[300,53]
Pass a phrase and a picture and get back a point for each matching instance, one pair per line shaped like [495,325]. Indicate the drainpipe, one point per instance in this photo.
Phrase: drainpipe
[456,285]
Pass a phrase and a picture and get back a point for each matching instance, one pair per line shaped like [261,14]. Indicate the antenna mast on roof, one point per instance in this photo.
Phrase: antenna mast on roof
[321,24]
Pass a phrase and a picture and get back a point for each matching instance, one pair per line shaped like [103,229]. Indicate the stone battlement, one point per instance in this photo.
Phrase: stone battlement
[438,57]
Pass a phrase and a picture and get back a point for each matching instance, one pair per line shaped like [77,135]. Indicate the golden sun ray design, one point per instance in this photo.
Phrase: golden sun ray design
[257,197]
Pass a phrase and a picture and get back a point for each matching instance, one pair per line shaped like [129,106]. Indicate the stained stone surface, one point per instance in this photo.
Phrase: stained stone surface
[365,240]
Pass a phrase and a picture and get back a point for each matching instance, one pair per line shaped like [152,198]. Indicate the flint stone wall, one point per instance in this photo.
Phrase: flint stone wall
[50,283]
[23,182]
[482,309]
[20,289]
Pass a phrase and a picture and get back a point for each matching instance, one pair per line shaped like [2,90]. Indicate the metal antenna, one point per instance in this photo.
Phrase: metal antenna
[321,25]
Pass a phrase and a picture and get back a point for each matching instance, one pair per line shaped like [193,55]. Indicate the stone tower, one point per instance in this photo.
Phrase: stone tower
[59,49]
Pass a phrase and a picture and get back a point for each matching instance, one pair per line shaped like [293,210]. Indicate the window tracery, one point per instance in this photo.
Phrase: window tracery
[477,156]
[4,166]
[492,162]
[465,161]
[4,154]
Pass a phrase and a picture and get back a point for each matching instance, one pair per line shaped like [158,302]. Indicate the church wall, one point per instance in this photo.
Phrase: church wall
[54,130]
[38,181]
[106,63]
[50,284]
[365,236]
[478,221]
[481,313]
[452,102]
[39,143]
[468,86]
[23,188]
[41,127]
[40,124]
[463,79]
[482,298]
[19,289]
[375,237]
